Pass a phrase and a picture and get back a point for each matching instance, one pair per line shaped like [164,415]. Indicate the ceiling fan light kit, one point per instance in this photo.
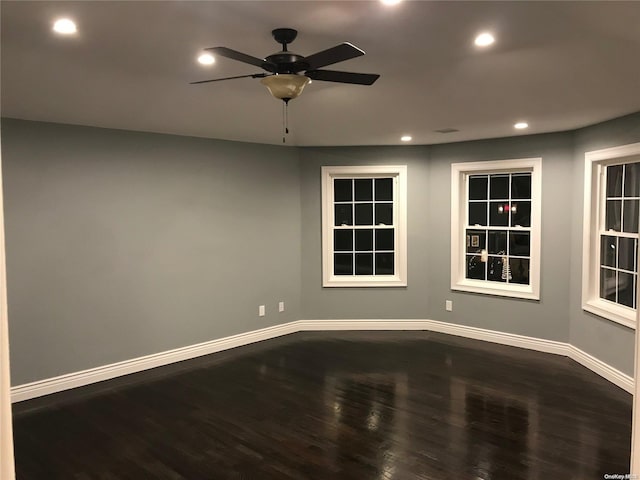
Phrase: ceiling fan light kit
[285,86]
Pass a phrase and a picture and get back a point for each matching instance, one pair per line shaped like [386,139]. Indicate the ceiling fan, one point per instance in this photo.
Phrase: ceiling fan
[284,77]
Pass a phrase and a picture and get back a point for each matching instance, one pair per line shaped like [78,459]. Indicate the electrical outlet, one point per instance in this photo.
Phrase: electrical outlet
[281,307]
[448,305]
[261,311]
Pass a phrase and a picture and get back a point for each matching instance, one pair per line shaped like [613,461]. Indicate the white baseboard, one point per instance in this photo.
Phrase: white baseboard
[106,372]
[603,369]
[606,371]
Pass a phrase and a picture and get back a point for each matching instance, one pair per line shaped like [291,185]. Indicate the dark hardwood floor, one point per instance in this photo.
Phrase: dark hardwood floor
[349,405]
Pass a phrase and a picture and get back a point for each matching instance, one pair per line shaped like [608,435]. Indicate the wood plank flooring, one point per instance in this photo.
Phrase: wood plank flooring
[345,406]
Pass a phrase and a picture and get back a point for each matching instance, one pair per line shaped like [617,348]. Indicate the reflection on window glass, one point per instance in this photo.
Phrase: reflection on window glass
[508,207]
[368,203]
[619,241]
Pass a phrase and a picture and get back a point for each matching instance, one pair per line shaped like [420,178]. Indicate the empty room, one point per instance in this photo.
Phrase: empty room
[312,240]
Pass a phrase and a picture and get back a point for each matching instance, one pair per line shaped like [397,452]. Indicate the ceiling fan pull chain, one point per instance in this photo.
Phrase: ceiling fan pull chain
[285,119]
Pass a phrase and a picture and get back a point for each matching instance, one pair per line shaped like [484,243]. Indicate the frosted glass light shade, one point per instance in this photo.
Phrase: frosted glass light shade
[285,86]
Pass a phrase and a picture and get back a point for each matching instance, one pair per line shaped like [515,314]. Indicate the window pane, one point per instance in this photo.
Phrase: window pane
[496,271]
[478,187]
[384,264]
[343,264]
[519,270]
[364,263]
[478,213]
[476,241]
[475,268]
[499,187]
[342,240]
[342,190]
[364,240]
[498,214]
[608,284]
[343,215]
[630,216]
[608,247]
[626,288]
[632,180]
[384,213]
[384,239]
[364,214]
[384,188]
[627,253]
[613,215]
[498,242]
[519,244]
[364,189]
[521,214]
[521,186]
[614,181]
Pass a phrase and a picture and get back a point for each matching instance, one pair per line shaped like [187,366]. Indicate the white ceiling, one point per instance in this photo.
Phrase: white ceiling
[557,65]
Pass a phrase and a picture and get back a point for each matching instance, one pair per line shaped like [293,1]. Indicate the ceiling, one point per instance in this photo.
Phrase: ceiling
[556,65]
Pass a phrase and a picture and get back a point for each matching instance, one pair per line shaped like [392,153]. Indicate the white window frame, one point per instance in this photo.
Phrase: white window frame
[399,279]
[594,196]
[460,173]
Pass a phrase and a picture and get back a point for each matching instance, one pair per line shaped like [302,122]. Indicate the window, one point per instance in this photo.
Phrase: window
[364,226]
[610,251]
[495,227]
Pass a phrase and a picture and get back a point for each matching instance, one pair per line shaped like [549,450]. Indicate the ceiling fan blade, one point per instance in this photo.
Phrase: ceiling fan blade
[336,54]
[255,75]
[243,57]
[342,77]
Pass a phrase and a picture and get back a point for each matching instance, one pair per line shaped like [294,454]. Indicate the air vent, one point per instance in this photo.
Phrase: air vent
[447,130]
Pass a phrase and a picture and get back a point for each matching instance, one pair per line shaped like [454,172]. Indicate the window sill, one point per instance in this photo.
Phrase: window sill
[391,281]
[616,313]
[513,291]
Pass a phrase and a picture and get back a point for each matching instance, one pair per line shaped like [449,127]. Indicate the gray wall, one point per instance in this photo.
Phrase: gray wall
[429,239]
[122,244]
[605,340]
[365,303]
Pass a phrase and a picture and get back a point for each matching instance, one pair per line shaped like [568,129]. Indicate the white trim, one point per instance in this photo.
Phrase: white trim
[459,171]
[7,468]
[400,207]
[594,162]
[106,372]
[635,422]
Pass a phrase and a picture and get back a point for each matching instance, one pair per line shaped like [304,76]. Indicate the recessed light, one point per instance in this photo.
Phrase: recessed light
[484,39]
[64,26]
[521,125]
[406,138]
[390,2]
[206,59]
